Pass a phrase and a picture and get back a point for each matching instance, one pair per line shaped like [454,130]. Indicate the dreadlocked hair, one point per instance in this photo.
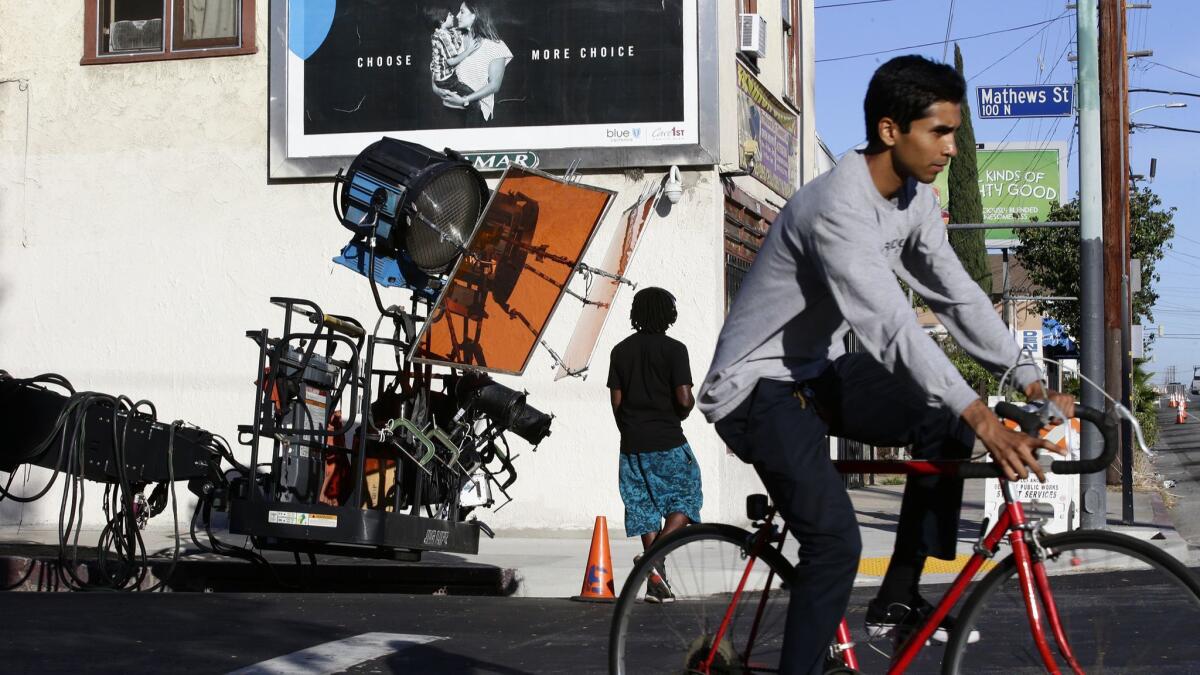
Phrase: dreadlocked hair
[653,310]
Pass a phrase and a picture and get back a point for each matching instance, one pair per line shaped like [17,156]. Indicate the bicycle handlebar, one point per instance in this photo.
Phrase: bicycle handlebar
[1031,423]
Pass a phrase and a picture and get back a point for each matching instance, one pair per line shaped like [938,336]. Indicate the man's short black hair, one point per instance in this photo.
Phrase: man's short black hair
[904,88]
[653,310]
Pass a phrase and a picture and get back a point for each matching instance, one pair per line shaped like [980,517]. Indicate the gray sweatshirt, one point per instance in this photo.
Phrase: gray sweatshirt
[829,264]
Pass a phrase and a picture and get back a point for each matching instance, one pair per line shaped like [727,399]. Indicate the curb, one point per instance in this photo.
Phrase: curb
[41,574]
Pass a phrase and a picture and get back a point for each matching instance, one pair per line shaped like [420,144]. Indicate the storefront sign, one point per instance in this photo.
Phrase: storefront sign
[767,135]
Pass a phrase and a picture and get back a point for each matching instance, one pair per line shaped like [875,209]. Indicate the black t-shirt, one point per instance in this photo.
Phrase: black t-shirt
[647,367]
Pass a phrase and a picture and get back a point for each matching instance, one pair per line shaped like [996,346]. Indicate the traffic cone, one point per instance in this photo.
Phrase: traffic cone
[1174,402]
[598,577]
[1181,416]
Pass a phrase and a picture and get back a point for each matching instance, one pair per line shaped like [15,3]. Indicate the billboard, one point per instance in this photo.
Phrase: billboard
[606,82]
[1017,182]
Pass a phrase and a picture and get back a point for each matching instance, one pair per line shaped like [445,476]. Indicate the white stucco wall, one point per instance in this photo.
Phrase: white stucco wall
[140,239]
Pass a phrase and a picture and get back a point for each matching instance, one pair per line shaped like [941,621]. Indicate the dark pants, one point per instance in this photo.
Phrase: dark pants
[779,430]
[470,117]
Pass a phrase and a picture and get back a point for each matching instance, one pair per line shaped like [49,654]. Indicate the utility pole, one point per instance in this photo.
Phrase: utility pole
[1114,136]
[1126,284]
[1091,254]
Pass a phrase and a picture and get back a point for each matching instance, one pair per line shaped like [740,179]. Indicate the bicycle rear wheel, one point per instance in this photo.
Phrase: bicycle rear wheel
[1125,606]
[703,565]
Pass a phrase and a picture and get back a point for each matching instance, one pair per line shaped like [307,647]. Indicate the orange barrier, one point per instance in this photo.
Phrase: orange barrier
[598,576]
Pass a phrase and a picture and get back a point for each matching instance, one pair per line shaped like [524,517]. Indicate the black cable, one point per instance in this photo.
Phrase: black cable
[1181,72]
[1164,91]
[42,446]
[848,4]
[162,582]
[938,42]
[122,563]
[1141,125]
[371,272]
[230,550]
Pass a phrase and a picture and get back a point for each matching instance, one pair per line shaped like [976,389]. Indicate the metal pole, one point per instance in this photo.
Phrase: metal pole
[1091,254]
[1013,226]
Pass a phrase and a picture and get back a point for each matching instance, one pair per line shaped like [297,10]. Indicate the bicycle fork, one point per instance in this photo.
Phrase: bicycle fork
[1035,589]
[762,539]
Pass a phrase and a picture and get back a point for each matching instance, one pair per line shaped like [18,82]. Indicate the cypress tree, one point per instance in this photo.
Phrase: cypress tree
[966,204]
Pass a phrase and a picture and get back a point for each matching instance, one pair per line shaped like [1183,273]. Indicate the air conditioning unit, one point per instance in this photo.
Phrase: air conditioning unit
[752,35]
[135,36]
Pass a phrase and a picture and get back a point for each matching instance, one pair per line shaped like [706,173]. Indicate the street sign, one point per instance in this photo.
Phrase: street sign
[1033,100]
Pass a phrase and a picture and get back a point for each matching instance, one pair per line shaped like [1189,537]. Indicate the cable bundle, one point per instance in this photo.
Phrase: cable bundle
[121,563]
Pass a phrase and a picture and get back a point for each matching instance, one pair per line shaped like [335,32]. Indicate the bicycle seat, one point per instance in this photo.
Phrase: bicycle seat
[758,506]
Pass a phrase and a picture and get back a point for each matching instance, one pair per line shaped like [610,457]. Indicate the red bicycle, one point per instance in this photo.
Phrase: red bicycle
[1119,604]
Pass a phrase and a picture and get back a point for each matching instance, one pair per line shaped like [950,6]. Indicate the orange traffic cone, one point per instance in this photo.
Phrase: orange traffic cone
[1174,402]
[598,577]
[1181,416]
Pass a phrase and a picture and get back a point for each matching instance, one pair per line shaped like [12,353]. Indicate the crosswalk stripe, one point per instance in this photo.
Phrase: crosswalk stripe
[336,656]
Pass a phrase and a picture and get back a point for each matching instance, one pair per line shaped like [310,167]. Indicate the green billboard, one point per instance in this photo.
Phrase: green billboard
[1017,183]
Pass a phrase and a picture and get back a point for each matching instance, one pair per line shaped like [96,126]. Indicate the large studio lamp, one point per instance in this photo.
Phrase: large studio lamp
[420,206]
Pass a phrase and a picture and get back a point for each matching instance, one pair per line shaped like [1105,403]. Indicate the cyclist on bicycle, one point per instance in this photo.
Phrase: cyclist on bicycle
[781,381]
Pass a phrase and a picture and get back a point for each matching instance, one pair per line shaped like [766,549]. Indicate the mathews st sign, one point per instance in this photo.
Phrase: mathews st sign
[1035,100]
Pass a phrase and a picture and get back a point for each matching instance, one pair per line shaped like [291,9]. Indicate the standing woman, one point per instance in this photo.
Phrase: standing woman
[480,66]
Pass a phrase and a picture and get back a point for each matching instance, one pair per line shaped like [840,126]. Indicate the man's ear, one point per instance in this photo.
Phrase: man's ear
[888,131]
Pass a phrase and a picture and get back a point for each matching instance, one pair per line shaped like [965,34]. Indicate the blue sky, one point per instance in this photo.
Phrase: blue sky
[1039,54]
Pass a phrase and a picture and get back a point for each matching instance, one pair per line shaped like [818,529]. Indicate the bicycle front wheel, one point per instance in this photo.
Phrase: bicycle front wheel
[1125,606]
[703,565]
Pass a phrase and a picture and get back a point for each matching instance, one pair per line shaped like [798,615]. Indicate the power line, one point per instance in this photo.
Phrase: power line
[949,23]
[1182,72]
[1186,238]
[1164,91]
[938,42]
[1041,31]
[847,4]
[1141,125]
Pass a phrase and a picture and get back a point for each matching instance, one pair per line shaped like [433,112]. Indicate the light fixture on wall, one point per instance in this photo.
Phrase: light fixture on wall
[749,154]
[673,187]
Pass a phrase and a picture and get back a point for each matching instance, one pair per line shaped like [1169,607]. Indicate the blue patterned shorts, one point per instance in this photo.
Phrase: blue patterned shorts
[655,484]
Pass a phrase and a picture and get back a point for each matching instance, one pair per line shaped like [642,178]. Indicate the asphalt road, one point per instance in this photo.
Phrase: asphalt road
[201,633]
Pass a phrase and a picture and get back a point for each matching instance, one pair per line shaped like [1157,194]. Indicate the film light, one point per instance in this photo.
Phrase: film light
[421,206]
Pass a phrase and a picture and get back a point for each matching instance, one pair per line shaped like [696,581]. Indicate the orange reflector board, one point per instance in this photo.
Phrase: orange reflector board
[1065,437]
[496,304]
[603,291]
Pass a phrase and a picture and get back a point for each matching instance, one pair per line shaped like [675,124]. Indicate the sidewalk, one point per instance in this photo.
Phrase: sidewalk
[539,563]
[551,564]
